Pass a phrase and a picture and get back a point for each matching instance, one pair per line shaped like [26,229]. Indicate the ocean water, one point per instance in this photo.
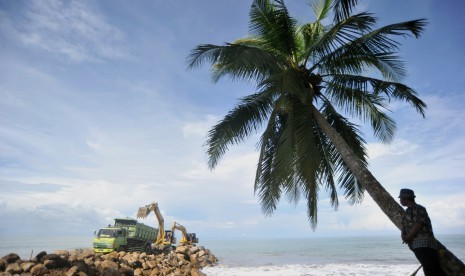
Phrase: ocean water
[372,255]
[379,255]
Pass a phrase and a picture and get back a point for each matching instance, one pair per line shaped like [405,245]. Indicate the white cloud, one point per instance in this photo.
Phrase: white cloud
[399,148]
[199,129]
[70,29]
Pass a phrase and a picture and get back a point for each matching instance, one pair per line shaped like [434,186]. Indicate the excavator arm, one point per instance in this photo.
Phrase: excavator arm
[143,212]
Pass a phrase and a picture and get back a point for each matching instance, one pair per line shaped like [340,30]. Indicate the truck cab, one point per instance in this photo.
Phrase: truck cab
[109,239]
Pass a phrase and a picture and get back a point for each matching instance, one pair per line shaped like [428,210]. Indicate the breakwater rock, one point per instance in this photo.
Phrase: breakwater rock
[184,260]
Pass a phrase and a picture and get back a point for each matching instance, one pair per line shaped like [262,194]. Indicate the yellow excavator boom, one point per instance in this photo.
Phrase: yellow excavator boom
[143,212]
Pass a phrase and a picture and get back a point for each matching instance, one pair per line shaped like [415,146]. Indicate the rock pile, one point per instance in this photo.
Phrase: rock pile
[184,260]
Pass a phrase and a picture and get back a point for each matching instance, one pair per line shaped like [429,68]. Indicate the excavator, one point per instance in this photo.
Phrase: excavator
[166,238]
[187,238]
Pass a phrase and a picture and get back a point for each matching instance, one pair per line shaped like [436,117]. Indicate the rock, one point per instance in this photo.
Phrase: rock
[26,266]
[155,272]
[87,254]
[13,268]
[193,250]
[73,271]
[50,264]
[137,264]
[40,255]
[108,265]
[89,261]
[184,260]
[126,271]
[182,249]
[54,261]
[62,253]
[111,272]
[202,253]
[39,269]
[151,264]
[196,272]
[138,272]
[11,258]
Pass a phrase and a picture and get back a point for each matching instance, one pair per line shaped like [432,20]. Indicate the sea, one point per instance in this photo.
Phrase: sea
[369,255]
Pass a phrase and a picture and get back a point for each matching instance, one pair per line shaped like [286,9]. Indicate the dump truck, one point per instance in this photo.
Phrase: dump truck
[126,234]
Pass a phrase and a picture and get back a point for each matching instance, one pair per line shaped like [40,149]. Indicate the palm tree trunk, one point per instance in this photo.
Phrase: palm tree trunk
[450,263]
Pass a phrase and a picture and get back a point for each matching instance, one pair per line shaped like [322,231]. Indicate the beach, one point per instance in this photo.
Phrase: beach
[375,255]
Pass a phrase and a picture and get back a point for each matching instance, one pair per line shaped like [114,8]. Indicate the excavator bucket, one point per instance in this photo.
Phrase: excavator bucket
[143,212]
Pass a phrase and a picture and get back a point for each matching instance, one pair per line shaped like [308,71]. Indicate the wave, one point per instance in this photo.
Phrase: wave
[312,270]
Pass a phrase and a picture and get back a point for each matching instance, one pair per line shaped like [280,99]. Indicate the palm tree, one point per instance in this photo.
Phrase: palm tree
[308,78]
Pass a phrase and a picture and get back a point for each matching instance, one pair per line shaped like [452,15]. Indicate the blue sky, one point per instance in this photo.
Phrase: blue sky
[98,116]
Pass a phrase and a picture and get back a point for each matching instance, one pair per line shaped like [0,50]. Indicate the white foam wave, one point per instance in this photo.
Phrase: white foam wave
[313,270]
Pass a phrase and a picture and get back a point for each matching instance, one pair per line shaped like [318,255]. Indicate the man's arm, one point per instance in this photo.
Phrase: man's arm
[408,237]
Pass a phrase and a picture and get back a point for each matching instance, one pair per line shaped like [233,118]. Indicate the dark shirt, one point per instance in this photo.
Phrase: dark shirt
[425,237]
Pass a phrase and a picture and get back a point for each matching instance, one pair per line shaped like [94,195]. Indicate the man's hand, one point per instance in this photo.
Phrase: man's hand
[407,238]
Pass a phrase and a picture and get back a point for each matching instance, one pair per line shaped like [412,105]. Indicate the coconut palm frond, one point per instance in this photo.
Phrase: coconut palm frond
[352,189]
[267,186]
[244,120]
[327,166]
[343,8]
[401,92]
[270,20]
[352,94]
[321,9]
[338,36]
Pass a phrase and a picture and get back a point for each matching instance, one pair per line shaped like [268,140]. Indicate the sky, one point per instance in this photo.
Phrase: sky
[99,116]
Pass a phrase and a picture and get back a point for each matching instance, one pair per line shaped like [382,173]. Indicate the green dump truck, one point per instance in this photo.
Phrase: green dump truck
[125,235]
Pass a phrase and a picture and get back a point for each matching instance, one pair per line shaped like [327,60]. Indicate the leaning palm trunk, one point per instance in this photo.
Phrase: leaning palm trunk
[449,262]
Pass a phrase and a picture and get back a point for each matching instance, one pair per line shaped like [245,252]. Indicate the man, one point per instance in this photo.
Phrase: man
[417,232]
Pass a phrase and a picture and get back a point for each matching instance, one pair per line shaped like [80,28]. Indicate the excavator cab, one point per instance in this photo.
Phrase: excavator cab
[169,237]
[192,238]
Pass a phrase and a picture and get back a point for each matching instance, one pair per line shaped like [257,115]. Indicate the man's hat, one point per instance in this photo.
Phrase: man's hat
[406,193]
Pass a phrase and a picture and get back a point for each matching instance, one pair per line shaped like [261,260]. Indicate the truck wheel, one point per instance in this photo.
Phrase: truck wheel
[122,248]
[148,249]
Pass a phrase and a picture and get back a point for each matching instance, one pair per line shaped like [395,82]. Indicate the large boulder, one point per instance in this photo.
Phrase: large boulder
[26,266]
[40,255]
[13,269]
[11,258]
[39,269]
[105,265]
[54,261]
